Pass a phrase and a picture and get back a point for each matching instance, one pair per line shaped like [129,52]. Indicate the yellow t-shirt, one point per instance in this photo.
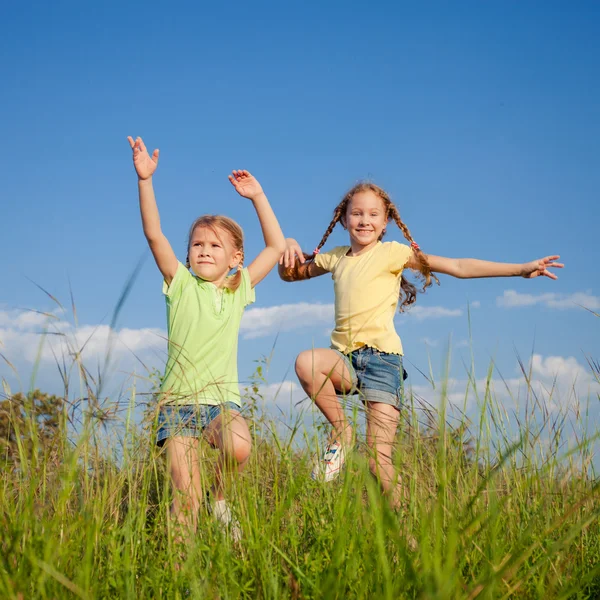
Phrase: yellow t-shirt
[367,289]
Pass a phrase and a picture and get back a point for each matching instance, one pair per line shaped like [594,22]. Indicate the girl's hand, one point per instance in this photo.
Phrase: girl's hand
[537,268]
[292,250]
[245,184]
[144,164]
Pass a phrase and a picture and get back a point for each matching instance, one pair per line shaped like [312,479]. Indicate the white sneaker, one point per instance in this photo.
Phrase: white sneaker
[329,467]
[221,511]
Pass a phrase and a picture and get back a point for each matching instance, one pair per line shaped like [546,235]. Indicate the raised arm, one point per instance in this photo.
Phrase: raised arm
[145,165]
[247,186]
[471,268]
[294,266]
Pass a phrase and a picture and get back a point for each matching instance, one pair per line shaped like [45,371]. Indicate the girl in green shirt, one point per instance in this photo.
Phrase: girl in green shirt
[199,394]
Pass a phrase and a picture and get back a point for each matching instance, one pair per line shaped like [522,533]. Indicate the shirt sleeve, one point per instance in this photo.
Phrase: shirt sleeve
[246,289]
[328,260]
[399,256]
[182,277]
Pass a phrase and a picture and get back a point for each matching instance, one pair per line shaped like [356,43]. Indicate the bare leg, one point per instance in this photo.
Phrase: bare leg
[322,373]
[382,422]
[182,457]
[229,433]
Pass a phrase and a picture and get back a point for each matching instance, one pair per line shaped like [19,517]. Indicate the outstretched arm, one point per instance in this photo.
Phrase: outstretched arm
[248,187]
[470,268]
[293,265]
[145,165]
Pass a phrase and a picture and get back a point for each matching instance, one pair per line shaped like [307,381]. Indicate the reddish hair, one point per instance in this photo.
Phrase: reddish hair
[408,291]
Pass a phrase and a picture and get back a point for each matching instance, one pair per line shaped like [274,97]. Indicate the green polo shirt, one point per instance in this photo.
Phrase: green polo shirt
[203,324]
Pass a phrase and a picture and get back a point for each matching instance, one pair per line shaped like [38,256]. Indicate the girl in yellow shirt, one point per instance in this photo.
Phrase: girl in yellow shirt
[366,352]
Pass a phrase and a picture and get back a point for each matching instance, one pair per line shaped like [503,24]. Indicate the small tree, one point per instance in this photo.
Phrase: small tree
[29,423]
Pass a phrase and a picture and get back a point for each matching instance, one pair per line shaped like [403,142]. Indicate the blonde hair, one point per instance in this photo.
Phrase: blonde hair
[229,226]
[408,291]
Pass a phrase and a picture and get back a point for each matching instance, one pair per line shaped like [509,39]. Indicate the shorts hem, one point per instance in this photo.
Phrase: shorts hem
[165,434]
[373,395]
[191,425]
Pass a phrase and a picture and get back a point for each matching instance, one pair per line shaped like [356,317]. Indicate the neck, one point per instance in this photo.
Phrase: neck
[218,283]
[357,249]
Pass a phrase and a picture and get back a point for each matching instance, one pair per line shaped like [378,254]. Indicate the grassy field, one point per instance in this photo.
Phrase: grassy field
[498,508]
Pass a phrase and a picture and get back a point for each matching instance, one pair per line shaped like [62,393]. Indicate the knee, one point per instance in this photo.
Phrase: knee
[305,365]
[241,450]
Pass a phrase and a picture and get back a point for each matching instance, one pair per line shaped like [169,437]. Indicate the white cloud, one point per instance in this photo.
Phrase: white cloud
[31,336]
[433,312]
[285,393]
[260,322]
[475,304]
[512,299]
[557,382]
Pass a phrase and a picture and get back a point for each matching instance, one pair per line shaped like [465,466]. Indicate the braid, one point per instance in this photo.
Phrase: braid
[338,213]
[409,291]
[426,275]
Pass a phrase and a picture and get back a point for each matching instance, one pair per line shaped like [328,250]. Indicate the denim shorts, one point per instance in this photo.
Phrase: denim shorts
[376,376]
[187,420]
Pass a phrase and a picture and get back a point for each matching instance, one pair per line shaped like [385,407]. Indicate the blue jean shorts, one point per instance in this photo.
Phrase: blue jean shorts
[376,376]
[187,420]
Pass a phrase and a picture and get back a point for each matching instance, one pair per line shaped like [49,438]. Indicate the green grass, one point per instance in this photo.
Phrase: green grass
[492,516]
[500,505]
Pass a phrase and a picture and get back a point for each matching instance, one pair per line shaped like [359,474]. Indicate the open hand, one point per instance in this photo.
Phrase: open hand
[144,164]
[292,250]
[245,184]
[537,268]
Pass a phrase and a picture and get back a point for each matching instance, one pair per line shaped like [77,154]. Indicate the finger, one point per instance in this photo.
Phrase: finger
[555,265]
[550,275]
[130,140]
[233,181]
[142,145]
[155,155]
[288,262]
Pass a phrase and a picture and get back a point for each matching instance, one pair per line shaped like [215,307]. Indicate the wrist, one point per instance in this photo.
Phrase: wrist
[146,181]
[259,198]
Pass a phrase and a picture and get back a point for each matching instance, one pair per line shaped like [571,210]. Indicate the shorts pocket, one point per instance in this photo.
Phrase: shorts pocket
[393,361]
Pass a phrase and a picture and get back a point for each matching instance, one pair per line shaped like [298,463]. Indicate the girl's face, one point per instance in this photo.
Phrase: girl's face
[366,218]
[212,254]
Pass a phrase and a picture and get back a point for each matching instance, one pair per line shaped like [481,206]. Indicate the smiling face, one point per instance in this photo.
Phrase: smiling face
[365,220]
[212,253]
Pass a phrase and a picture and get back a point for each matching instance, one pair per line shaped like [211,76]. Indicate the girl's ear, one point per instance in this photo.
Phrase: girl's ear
[236,259]
[343,221]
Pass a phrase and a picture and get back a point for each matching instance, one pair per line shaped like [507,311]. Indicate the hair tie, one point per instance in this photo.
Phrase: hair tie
[414,246]
[316,251]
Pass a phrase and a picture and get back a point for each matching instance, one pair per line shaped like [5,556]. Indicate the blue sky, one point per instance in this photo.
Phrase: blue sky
[480,119]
